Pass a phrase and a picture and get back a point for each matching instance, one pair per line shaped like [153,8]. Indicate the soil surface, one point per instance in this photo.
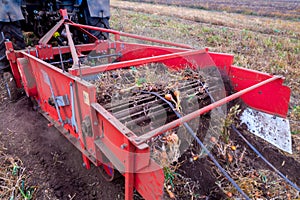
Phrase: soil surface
[52,163]
[278,8]
[54,166]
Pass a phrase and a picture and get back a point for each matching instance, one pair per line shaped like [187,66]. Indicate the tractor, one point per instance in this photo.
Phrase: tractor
[39,16]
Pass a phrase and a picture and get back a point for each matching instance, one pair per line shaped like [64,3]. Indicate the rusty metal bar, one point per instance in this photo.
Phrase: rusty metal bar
[178,122]
[72,46]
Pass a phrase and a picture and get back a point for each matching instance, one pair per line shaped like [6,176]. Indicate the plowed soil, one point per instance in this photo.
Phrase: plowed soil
[52,163]
[277,8]
[54,166]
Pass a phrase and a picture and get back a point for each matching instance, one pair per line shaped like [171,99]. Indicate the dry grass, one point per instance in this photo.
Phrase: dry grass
[255,41]
[278,8]
[256,183]
[3,95]
[13,178]
[264,25]
[264,44]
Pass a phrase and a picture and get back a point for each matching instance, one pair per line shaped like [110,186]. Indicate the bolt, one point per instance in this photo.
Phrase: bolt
[123,146]
[137,140]
[83,164]
[96,123]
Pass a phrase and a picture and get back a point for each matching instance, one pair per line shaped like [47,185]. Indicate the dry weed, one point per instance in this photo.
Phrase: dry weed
[13,179]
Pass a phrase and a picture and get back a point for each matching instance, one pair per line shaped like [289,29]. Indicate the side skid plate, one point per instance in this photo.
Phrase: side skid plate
[273,129]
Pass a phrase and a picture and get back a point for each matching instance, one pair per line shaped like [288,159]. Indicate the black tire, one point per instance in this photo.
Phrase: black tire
[97,22]
[11,31]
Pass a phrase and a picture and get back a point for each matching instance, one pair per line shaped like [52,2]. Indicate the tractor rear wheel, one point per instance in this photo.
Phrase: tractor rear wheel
[101,23]
[97,22]
[10,31]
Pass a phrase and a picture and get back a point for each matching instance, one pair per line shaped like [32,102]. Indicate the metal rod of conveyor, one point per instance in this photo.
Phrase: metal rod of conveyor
[186,118]
[131,35]
[140,61]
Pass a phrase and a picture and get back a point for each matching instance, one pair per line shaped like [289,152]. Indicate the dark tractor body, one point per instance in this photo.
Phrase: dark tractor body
[38,16]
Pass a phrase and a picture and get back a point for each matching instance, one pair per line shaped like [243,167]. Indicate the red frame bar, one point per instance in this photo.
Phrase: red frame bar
[131,35]
[72,47]
[109,133]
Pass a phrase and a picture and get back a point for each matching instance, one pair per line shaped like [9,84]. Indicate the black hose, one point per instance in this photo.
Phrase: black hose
[256,151]
[201,144]
[264,159]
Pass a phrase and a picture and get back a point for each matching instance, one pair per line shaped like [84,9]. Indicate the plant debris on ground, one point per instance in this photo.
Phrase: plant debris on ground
[13,178]
[258,43]
[280,9]
[256,46]
[139,99]
[265,44]
[119,91]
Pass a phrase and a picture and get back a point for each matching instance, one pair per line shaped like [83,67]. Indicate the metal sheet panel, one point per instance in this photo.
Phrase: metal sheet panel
[10,10]
[99,8]
[273,129]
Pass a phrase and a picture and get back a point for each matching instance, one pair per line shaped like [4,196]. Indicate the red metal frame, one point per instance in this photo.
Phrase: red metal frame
[110,138]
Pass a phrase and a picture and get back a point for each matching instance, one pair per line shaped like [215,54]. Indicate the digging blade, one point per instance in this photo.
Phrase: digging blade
[273,129]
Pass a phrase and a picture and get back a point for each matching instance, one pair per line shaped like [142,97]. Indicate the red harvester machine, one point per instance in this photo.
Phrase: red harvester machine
[68,100]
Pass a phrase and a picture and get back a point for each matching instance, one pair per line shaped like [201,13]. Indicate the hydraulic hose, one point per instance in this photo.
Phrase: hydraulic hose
[265,160]
[201,144]
[257,152]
